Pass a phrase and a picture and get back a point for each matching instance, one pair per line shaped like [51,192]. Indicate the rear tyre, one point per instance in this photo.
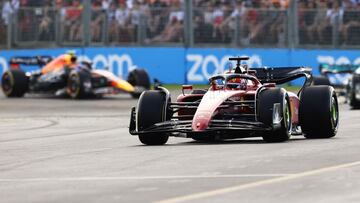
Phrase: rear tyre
[321,80]
[319,112]
[14,83]
[78,82]
[266,100]
[139,78]
[152,108]
[354,102]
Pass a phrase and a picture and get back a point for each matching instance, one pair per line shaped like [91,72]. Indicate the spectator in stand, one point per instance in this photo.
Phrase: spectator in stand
[239,12]
[158,14]
[253,23]
[122,17]
[202,29]
[113,31]
[135,17]
[217,19]
[174,28]
[97,19]
[237,16]
[208,12]
[9,7]
[316,29]
[350,29]
[36,3]
[3,29]
[277,22]
[105,4]
[335,15]
[223,29]
[46,26]
[73,20]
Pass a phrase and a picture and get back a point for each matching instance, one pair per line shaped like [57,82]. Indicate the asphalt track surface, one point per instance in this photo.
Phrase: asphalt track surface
[62,150]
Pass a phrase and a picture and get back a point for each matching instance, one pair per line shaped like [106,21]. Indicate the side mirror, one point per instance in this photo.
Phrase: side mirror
[186,87]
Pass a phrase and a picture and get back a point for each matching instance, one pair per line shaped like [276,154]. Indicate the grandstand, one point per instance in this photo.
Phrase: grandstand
[186,23]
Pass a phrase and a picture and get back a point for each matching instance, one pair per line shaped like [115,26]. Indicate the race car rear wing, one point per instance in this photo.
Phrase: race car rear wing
[281,75]
[346,68]
[15,62]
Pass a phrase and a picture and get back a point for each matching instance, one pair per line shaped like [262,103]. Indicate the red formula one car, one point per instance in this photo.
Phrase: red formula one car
[241,103]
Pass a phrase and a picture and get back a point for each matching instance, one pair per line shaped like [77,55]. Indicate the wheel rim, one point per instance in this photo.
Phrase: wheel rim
[334,112]
[73,85]
[287,116]
[7,83]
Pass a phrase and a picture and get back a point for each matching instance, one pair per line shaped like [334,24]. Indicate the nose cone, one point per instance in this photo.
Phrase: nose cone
[201,121]
[208,105]
[123,85]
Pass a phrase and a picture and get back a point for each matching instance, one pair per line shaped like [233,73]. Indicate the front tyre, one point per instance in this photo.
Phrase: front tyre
[152,109]
[139,78]
[267,100]
[319,112]
[14,83]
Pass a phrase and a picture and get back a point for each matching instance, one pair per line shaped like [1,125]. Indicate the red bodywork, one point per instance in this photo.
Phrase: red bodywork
[211,104]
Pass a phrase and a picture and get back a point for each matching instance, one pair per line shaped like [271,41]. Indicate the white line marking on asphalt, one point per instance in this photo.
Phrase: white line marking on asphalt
[235,188]
[114,178]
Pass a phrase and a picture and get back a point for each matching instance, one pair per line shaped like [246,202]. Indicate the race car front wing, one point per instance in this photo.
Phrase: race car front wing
[182,128]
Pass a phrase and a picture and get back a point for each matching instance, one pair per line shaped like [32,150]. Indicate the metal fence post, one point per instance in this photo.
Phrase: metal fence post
[237,31]
[141,29]
[57,28]
[105,30]
[86,23]
[188,24]
[9,31]
[292,25]
[335,33]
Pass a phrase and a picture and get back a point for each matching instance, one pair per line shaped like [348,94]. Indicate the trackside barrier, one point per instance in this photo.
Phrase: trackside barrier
[189,65]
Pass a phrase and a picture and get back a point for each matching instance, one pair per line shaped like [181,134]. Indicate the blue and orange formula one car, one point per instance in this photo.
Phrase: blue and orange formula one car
[240,103]
[64,75]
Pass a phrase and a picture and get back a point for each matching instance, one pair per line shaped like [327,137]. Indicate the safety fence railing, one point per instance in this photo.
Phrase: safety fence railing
[3,30]
[324,27]
[240,27]
[181,25]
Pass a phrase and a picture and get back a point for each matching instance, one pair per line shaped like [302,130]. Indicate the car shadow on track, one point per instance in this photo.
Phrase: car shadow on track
[234,141]
[227,142]
[66,98]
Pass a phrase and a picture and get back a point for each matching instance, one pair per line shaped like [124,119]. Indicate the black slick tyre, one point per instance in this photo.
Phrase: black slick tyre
[265,105]
[76,85]
[14,83]
[321,80]
[319,112]
[139,78]
[152,108]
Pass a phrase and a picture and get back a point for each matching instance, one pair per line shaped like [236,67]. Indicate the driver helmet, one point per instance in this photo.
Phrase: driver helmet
[71,57]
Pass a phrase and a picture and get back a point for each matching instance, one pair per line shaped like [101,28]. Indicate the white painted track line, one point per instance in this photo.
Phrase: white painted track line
[115,178]
[221,191]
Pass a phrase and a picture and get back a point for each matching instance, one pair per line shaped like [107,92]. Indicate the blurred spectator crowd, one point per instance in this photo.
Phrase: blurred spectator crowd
[241,22]
[318,19]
